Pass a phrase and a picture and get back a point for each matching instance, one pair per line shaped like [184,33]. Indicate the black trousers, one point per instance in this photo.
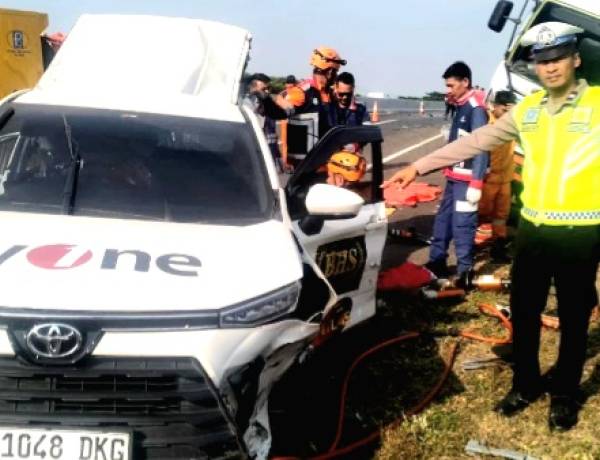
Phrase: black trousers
[568,256]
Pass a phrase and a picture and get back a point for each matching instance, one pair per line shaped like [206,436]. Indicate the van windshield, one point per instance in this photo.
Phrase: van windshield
[114,164]
[588,44]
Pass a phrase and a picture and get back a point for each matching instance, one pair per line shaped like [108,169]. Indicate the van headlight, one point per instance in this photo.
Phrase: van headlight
[262,309]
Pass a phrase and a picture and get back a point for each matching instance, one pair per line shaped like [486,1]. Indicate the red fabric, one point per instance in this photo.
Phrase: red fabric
[407,276]
[417,192]
[55,40]
[448,172]
[478,95]
[483,234]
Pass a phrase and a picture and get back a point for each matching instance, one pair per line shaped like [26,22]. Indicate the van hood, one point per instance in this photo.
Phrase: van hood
[96,264]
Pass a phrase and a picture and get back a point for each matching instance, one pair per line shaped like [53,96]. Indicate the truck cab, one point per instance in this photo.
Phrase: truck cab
[515,71]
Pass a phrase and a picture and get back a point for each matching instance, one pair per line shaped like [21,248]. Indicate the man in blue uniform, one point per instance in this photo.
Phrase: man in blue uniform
[457,216]
[345,111]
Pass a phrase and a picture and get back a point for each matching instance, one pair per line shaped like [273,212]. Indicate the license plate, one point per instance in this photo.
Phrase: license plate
[64,444]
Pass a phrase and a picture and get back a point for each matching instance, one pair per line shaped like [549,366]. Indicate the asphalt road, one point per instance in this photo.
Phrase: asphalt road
[408,137]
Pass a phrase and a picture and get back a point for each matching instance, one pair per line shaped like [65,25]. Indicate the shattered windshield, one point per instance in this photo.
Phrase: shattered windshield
[130,165]
[588,43]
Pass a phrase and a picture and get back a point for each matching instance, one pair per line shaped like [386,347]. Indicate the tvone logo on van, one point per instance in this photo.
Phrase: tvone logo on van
[68,256]
[58,256]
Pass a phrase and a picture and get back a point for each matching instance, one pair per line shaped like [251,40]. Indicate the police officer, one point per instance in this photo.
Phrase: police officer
[558,238]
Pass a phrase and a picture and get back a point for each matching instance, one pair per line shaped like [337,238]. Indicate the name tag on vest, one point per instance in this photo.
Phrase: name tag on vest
[581,120]
[530,119]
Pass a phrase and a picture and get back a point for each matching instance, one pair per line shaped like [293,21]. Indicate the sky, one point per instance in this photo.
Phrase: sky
[400,47]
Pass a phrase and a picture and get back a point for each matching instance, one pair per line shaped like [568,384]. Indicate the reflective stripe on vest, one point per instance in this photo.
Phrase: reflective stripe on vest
[561,170]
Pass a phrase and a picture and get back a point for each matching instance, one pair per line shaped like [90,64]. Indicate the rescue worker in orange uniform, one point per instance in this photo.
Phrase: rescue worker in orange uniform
[494,206]
[312,95]
[316,94]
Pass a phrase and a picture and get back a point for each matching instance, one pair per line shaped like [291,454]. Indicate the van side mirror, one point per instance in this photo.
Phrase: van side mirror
[326,202]
[500,15]
[332,202]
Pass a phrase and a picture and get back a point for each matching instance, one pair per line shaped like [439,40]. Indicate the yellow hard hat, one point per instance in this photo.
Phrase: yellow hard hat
[351,166]
[326,58]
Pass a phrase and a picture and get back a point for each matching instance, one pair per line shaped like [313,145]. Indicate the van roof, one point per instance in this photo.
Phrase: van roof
[178,66]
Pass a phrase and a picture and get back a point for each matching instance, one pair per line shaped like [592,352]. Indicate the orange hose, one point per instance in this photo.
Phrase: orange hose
[551,322]
[490,310]
[333,451]
[375,349]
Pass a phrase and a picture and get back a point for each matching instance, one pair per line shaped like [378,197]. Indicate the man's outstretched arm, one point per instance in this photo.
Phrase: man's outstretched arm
[486,138]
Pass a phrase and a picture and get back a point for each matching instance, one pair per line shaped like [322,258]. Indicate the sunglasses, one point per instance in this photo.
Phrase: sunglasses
[342,95]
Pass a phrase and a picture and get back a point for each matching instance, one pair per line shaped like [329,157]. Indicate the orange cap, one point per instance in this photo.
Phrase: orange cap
[326,58]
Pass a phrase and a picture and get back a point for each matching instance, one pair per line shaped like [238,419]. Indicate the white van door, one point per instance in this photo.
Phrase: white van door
[347,250]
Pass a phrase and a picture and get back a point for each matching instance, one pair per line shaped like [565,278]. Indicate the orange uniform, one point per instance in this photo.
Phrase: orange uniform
[494,206]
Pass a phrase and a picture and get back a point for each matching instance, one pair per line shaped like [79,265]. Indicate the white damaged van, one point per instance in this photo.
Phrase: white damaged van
[155,277]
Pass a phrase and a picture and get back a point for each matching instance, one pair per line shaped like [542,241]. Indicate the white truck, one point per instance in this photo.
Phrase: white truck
[515,71]
[156,278]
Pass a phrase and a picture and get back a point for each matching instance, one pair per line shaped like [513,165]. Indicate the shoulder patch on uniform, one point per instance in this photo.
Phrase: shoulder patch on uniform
[532,115]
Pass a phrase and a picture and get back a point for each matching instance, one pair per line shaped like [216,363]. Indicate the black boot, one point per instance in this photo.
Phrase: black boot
[465,280]
[516,401]
[564,412]
[499,252]
[438,268]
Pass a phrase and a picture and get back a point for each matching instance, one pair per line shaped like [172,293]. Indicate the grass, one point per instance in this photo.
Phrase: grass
[383,388]
[463,410]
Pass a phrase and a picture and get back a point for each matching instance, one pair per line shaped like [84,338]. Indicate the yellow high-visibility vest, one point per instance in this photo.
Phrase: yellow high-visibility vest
[561,171]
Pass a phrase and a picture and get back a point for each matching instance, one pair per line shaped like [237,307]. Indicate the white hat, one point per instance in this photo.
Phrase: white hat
[551,40]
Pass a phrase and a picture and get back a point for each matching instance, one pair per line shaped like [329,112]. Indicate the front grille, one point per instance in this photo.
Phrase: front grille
[167,403]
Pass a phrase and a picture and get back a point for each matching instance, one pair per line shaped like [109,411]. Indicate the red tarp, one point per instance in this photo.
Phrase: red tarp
[405,277]
[417,192]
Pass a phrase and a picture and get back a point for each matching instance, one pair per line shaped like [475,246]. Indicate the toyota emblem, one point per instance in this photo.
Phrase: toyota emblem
[54,340]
